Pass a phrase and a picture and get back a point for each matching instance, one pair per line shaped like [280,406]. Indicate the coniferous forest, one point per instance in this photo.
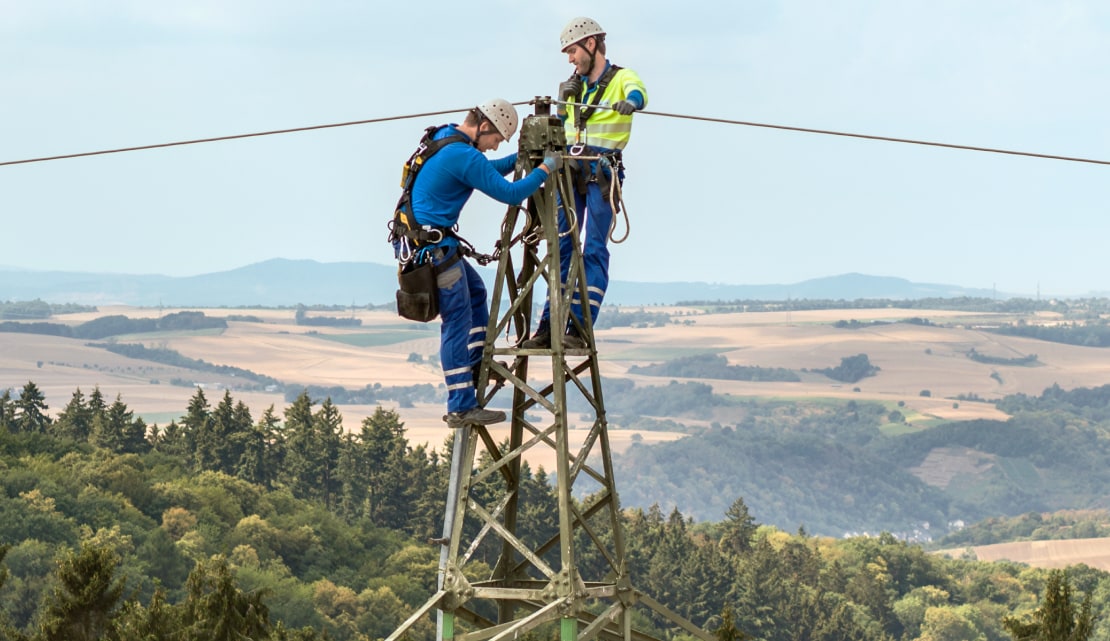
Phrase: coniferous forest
[232,525]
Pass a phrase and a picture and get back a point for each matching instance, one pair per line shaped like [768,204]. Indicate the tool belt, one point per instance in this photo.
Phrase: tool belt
[584,172]
[418,289]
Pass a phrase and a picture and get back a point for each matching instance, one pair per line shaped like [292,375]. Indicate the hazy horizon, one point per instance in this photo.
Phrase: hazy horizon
[706,201]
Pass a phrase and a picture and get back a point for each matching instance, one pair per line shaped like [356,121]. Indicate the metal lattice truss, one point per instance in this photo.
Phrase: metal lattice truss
[534,582]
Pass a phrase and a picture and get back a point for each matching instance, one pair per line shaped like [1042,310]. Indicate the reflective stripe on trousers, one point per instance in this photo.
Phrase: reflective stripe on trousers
[464,315]
[598,216]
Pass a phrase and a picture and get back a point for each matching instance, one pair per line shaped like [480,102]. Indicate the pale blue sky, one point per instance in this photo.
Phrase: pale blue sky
[707,202]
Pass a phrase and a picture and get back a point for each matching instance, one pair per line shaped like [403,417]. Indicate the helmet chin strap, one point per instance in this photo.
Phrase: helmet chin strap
[593,58]
[478,136]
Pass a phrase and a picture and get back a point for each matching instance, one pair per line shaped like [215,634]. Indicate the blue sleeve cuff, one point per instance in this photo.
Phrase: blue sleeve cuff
[636,98]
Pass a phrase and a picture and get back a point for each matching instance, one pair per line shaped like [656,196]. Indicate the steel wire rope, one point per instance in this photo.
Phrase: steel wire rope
[745,123]
[910,141]
[256,134]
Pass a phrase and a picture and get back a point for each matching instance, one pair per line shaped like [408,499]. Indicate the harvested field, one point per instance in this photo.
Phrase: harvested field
[913,358]
[1044,554]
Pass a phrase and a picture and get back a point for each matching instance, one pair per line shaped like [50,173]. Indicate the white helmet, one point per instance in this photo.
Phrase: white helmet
[578,30]
[502,114]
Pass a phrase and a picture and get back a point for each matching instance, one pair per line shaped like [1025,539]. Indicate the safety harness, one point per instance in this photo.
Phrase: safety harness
[609,162]
[413,240]
[583,112]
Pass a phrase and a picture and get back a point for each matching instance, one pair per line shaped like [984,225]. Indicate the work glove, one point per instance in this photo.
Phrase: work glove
[624,107]
[553,160]
[570,89]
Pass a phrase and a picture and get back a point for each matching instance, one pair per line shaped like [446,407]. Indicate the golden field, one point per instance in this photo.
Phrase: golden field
[1043,554]
[912,358]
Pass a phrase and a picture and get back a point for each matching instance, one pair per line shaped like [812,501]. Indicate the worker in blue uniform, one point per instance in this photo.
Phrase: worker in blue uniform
[598,123]
[443,186]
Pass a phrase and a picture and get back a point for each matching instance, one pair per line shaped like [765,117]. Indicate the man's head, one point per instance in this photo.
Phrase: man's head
[583,40]
[491,123]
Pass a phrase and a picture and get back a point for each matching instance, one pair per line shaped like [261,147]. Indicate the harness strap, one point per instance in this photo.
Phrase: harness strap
[404,227]
[580,171]
[582,114]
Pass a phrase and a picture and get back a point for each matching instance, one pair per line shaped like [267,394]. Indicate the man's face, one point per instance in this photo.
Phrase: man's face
[578,54]
[490,140]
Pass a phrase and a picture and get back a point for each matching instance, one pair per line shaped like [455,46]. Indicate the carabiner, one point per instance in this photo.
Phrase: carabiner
[432,239]
[404,251]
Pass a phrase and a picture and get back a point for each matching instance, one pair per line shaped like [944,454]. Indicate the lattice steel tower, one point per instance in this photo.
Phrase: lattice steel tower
[537,582]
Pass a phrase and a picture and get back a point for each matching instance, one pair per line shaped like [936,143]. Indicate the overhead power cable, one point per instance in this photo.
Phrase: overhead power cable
[909,141]
[827,132]
[197,141]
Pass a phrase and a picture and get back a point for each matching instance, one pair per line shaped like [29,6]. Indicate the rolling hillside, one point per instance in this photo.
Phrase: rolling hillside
[914,359]
[284,282]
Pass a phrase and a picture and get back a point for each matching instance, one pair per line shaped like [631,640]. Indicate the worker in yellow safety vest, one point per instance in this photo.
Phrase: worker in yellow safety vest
[596,104]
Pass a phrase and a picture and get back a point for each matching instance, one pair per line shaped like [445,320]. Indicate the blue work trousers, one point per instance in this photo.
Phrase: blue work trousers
[464,314]
[595,216]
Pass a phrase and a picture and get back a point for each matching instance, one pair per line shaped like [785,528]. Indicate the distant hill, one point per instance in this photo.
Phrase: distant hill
[283,282]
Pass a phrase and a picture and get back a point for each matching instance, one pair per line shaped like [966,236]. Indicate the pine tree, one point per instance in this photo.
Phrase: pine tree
[431,473]
[135,436]
[383,453]
[243,426]
[354,478]
[222,450]
[215,609]
[328,428]
[83,603]
[75,420]
[30,410]
[259,450]
[97,405]
[113,429]
[739,528]
[7,630]
[728,630]
[301,471]
[171,440]
[199,437]
[7,412]
[1058,619]
[159,621]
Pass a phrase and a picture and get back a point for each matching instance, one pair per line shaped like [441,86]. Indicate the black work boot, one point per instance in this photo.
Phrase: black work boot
[495,377]
[541,339]
[474,416]
[572,340]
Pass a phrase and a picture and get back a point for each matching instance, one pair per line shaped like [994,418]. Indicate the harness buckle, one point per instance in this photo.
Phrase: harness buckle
[432,239]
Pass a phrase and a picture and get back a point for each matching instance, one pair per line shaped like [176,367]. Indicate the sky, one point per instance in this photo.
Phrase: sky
[706,201]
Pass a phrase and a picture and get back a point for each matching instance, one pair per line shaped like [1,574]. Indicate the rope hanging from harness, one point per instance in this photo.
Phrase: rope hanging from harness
[605,170]
[616,201]
[610,184]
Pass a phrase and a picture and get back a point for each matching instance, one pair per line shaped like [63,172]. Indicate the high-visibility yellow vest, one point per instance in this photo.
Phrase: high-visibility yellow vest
[606,128]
